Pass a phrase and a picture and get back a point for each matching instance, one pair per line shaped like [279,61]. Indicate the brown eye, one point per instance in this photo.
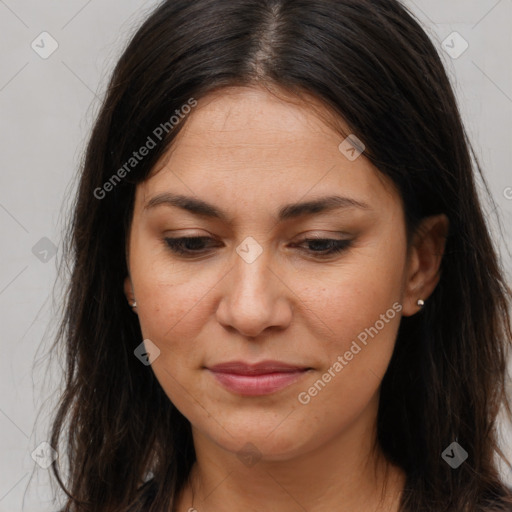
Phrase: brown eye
[326,246]
[188,246]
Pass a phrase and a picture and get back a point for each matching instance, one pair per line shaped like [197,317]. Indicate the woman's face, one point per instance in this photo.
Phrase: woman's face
[255,289]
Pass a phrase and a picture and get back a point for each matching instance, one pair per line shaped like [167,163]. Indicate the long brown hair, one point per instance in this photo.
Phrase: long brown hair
[372,65]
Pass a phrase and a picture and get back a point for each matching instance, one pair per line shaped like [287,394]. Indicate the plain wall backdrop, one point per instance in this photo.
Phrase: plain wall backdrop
[55,60]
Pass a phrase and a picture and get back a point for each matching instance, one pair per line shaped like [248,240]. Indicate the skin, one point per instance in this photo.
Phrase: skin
[249,152]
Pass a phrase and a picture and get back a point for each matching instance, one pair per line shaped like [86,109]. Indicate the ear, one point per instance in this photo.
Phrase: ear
[128,291]
[424,261]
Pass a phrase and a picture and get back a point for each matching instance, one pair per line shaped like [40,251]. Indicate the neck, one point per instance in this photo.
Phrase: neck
[344,474]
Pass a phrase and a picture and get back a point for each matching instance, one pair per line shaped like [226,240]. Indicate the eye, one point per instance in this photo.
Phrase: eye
[195,246]
[322,247]
[188,246]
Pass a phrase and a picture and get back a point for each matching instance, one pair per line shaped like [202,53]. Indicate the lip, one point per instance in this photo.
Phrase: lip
[257,379]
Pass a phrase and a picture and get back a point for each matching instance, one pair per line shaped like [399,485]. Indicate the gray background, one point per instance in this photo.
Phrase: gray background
[47,107]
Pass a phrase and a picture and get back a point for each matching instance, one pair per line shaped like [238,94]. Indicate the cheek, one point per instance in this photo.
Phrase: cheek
[359,310]
[346,299]
[171,297]
[172,312]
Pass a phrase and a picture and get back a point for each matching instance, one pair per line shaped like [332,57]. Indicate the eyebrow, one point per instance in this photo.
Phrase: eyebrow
[289,211]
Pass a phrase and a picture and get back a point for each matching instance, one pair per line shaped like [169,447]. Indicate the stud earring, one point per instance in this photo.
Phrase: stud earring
[420,303]
[133,304]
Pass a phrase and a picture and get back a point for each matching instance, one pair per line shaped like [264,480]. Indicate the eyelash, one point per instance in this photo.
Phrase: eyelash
[335,246]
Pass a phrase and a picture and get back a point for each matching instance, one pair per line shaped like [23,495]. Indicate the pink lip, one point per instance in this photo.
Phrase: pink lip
[256,379]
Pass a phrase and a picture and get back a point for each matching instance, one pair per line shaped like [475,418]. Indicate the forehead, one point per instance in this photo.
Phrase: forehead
[252,106]
[247,142]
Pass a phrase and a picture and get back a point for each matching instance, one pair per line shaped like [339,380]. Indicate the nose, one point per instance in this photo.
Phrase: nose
[254,298]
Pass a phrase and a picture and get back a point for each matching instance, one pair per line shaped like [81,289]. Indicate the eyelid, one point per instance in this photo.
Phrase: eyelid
[331,235]
[336,246]
[323,235]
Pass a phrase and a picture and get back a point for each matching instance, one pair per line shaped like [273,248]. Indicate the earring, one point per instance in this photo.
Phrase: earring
[133,304]
[420,303]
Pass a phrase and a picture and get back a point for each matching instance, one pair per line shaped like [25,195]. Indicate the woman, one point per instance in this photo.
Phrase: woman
[284,295]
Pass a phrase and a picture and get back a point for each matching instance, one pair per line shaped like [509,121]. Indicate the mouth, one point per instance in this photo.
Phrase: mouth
[257,379]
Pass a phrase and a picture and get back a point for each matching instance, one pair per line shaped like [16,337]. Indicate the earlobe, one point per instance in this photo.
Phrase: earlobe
[128,291]
[424,263]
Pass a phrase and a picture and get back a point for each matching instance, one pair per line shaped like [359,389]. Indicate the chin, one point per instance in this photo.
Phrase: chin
[251,441]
